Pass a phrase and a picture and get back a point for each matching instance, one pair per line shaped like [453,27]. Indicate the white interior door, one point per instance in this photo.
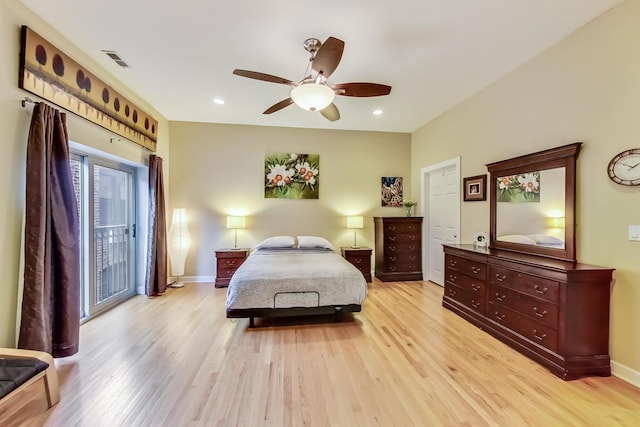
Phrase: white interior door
[441,202]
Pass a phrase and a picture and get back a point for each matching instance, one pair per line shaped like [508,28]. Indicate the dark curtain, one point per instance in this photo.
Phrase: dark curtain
[50,306]
[156,282]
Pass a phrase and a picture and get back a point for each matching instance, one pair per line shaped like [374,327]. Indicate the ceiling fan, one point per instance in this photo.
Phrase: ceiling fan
[312,93]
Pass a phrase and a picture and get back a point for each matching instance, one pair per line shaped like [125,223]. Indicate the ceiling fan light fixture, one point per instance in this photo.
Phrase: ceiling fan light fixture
[312,96]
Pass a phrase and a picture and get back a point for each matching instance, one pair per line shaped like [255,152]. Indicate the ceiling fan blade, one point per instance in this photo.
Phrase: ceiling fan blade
[328,57]
[361,89]
[331,113]
[279,106]
[262,76]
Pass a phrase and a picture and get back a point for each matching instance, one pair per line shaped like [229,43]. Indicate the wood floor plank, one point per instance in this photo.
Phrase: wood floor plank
[176,360]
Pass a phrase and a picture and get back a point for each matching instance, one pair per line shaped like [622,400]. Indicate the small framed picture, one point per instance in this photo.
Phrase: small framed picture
[475,188]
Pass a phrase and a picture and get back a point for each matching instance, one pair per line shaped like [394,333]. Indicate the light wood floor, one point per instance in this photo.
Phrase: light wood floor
[403,361]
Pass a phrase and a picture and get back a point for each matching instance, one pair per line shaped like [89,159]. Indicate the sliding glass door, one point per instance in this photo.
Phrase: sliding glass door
[106,194]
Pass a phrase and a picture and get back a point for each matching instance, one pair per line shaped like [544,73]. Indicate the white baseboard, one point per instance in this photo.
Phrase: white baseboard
[625,373]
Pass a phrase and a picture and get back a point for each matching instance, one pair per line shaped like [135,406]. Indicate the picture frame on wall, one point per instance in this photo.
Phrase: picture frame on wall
[475,188]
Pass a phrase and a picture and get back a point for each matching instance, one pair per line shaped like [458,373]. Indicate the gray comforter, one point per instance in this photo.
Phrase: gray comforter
[283,278]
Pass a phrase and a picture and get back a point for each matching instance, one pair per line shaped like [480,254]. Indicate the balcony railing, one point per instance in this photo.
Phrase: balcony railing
[112,267]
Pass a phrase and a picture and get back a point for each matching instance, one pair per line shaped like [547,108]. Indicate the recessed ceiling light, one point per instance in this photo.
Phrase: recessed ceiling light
[377,112]
[218,101]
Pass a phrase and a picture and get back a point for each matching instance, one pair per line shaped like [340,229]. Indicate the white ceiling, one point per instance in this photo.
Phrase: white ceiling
[434,53]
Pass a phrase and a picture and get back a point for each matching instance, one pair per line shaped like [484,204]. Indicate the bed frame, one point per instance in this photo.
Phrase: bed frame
[252,313]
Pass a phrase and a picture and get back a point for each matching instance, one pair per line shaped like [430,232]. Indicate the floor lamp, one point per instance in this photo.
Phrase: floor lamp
[355,222]
[179,243]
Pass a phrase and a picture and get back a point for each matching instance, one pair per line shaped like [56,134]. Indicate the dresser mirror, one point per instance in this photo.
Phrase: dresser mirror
[533,203]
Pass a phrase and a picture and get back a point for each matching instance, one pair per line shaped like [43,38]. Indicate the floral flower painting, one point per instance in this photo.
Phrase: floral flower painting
[391,191]
[291,176]
[521,188]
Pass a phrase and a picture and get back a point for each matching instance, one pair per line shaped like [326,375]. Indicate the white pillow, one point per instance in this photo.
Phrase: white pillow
[277,242]
[545,239]
[517,238]
[314,242]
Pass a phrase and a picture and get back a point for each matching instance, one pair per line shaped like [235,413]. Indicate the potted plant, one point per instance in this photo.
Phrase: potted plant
[408,206]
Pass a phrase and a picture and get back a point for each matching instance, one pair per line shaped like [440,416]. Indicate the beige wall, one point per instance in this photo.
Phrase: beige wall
[586,88]
[14,122]
[217,170]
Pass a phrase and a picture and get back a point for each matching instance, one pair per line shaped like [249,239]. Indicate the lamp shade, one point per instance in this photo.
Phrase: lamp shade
[312,96]
[556,222]
[179,241]
[235,222]
[355,221]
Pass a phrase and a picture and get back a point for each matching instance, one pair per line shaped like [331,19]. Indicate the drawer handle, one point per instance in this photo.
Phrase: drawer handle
[357,260]
[475,304]
[539,337]
[412,237]
[392,258]
[475,287]
[392,268]
[392,248]
[452,278]
[475,270]
[392,227]
[500,317]
[452,292]
[412,258]
[500,297]
[540,290]
[392,238]
[412,247]
[500,278]
[535,310]
[231,262]
[452,262]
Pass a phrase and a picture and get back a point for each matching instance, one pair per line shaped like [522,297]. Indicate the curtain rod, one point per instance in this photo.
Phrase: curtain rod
[27,99]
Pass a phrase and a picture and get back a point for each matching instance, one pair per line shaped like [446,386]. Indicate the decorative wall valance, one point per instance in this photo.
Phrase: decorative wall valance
[50,74]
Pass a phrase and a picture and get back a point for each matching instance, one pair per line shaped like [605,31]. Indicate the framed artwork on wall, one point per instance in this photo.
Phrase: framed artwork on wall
[391,191]
[291,176]
[475,188]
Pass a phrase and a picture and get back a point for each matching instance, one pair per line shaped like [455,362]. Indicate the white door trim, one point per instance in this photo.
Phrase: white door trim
[424,199]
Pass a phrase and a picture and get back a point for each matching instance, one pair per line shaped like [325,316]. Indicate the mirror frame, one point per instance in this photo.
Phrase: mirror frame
[565,156]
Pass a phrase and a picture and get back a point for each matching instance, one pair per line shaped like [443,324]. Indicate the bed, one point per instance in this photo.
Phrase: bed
[295,277]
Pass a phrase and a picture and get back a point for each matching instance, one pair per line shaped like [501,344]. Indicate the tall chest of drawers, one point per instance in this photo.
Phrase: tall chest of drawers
[555,312]
[398,248]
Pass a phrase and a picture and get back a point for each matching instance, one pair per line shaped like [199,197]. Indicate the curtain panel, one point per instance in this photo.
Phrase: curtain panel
[50,318]
[156,277]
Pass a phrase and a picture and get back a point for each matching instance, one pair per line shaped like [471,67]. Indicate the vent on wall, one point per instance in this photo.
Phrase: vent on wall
[116,58]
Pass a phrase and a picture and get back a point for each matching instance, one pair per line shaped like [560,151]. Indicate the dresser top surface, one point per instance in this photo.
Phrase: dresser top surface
[527,259]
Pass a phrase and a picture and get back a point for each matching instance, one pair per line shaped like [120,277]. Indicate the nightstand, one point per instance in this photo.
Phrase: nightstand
[227,262]
[360,258]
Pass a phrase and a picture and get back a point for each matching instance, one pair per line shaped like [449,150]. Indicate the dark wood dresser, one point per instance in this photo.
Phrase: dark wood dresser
[556,312]
[398,248]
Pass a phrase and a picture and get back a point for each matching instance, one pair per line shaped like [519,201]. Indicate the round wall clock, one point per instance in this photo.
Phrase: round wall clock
[624,168]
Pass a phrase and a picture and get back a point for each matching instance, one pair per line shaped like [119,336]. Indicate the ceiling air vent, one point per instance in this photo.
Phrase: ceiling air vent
[116,58]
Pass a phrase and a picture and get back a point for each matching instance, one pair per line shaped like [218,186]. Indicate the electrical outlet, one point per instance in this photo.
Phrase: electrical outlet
[634,232]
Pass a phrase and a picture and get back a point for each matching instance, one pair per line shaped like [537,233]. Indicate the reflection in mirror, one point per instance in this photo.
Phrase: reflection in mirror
[533,200]
[530,208]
